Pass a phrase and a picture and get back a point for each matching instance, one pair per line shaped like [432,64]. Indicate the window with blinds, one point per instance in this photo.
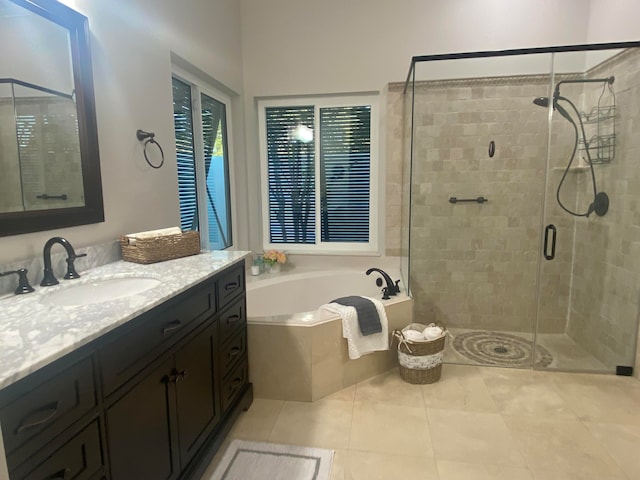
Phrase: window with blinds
[200,123]
[291,171]
[345,173]
[185,155]
[317,174]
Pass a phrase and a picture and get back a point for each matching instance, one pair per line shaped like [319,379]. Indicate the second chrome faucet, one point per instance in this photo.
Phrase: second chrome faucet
[49,278]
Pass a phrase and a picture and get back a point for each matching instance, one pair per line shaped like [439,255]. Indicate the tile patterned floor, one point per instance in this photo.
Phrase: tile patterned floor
[476,423]
[566,354]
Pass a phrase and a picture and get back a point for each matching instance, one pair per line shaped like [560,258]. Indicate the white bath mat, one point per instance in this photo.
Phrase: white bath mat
[270,461]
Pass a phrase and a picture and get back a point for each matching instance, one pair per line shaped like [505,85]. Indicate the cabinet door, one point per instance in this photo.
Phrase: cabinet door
[139,430]
[196,373]
[79,459]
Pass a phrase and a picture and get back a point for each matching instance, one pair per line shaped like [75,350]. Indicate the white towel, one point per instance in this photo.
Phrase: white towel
[413,335]
[153,233]
[432,332]
[359,344]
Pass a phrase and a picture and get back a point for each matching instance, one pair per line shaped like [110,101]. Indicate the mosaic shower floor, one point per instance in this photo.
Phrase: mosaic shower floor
[514,349]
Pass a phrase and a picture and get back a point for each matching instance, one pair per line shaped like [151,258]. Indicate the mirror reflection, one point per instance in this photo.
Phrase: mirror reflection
[39,141]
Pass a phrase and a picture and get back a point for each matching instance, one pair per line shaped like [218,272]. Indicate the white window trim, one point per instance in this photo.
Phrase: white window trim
[330,248]
[199,85]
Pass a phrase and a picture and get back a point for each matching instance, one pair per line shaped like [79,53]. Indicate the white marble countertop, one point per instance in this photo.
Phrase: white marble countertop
[34,332]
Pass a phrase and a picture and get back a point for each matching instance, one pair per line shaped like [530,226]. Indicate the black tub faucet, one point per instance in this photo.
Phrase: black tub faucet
[49,277]
[391,288]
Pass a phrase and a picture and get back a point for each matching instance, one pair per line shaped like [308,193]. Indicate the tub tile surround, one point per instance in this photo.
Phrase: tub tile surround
[34,332]
[308,363]
[503,431]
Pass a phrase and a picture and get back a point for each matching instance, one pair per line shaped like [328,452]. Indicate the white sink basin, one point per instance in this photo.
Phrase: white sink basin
[103,290]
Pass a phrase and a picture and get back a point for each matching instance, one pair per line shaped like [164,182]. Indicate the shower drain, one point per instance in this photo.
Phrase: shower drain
[496,348]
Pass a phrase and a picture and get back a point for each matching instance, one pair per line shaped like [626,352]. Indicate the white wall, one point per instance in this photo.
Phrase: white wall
[277,47]
[44,44]
[132,43]
[613,21]
[309,47]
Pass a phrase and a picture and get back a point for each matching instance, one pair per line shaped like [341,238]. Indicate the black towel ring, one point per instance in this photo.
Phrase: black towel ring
[149,137]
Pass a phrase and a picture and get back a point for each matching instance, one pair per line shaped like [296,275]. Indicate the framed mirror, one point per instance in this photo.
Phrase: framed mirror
[49,160]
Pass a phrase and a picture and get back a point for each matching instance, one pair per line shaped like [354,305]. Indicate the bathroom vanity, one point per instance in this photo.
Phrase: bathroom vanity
[139,386]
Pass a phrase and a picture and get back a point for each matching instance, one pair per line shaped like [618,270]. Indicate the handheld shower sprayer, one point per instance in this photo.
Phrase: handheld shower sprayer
[544,102]
[600,203]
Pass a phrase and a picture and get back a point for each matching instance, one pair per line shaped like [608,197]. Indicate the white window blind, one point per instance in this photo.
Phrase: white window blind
[318,165]
[200,123]
[291,171]
[345,173]
[185,155]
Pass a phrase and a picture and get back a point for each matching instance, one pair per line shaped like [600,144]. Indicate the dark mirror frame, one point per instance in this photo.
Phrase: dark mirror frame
[93,212]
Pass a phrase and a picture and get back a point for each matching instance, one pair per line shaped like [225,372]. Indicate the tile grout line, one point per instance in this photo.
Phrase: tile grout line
[276,421]
[603,446]
[426,414]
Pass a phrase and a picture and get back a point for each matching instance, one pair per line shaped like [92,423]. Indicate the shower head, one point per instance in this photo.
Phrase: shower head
[544,102]
[541,101]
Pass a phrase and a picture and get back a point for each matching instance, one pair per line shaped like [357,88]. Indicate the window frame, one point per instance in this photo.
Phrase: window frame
[201,86]
[375,194]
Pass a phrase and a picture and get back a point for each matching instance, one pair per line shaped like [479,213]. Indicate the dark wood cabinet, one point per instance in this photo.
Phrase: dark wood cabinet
[197,387]
[49,405]
[79,458]
[153,399]
[124,353]
[139,430]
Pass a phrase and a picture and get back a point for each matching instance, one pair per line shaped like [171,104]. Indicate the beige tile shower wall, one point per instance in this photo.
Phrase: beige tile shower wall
[474,266]
[406,186]
[394,170]
[10,191]
[606,283]
[48,170]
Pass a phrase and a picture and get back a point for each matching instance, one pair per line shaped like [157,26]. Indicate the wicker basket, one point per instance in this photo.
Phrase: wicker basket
[159,249]
[427,348]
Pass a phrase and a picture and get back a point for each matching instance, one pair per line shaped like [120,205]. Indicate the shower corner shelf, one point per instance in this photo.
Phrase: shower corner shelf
[604,147]
[599,114]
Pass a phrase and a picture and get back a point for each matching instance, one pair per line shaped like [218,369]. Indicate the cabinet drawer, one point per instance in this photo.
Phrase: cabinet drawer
[230,285]
[234,384]
[49,407]
[79,459]
[233,351]
[153,334]
[232,318]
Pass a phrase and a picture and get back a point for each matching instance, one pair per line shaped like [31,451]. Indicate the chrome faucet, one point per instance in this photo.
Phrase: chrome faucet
[391,288]
[49,277]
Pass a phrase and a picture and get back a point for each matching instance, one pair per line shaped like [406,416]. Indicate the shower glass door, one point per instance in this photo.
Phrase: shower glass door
[524,196]
[589,271]
[479,149]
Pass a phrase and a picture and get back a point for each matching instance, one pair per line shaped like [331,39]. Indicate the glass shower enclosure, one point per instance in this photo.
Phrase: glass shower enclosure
[521,204]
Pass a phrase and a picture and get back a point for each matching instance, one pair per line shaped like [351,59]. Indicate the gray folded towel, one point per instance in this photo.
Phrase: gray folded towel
[368,319]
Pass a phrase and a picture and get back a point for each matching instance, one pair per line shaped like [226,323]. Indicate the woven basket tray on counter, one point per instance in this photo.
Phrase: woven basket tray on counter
[159,249]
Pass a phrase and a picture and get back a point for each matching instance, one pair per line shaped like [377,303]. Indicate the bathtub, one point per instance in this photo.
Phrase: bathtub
[296,351]
[294,298]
